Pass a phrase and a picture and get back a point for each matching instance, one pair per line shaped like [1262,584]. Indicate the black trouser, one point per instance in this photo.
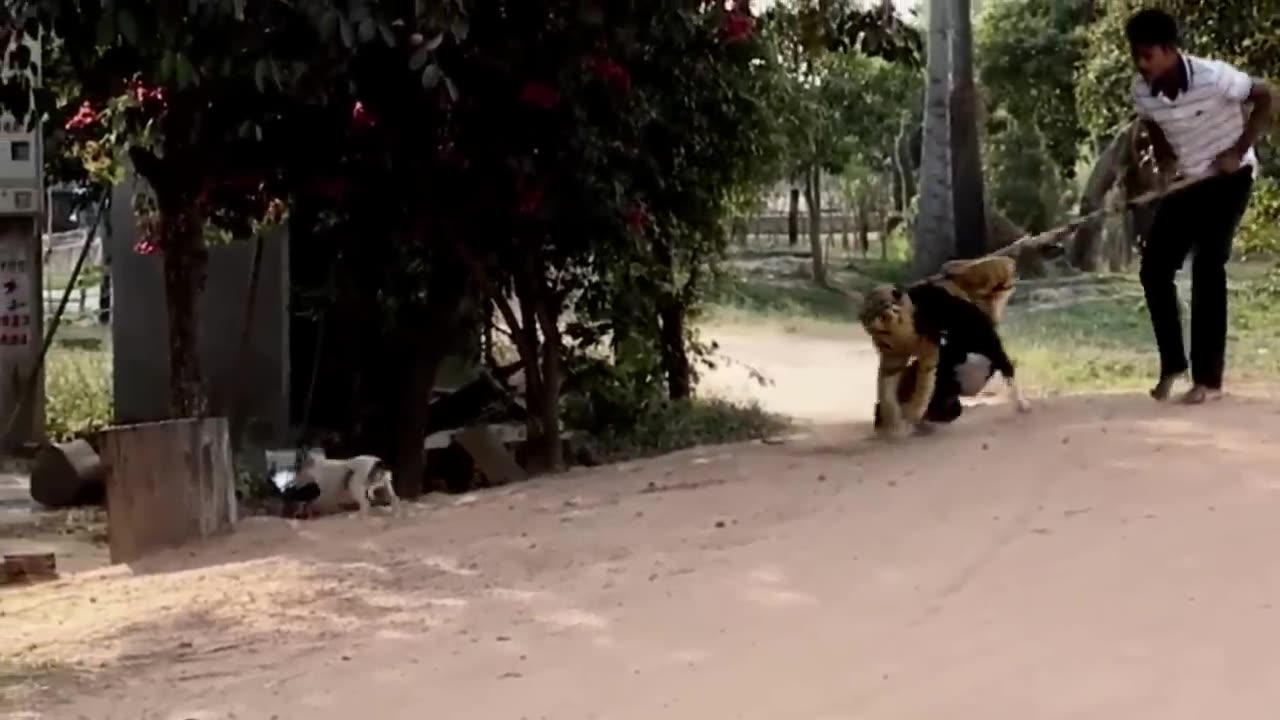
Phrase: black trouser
[1201,219]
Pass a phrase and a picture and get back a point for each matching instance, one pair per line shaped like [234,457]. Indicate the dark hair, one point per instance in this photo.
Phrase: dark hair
[1151,28]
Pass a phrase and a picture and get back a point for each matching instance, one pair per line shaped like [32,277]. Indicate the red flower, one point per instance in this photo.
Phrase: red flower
[333,188]
[145,94]
[145,247]
[737,27]
[539,94]
[361,117]
[83,118]
[637,217]
[611,72]
[243,183]
[529,198]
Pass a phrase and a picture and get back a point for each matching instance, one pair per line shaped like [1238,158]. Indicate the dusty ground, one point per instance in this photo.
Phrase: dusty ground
[1100,558]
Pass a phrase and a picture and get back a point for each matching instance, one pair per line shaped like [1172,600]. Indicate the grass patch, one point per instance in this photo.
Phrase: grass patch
[1106,342]
[78,392]
[665,427]
[1078,334]
[778,287]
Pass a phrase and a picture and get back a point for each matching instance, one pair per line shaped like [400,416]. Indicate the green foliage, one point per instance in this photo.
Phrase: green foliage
[1028,53]
[1095,334]
[1025,184]
[1104,83]
[842,104]
[1259,233]
[627,420]
[1245,34]
[78,393]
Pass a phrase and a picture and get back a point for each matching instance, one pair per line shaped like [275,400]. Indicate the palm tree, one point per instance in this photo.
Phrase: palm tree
[968,203]
[935,241]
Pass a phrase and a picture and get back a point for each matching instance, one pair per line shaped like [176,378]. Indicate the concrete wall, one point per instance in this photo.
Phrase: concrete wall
[140,335]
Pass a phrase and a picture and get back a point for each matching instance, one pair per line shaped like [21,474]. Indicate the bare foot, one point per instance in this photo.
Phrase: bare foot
[1164,387]
[1199,395]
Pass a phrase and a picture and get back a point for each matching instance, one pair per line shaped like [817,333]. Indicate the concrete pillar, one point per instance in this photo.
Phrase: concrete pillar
[139,330]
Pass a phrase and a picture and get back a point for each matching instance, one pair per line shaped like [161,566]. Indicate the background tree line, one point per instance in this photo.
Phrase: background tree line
[551,187]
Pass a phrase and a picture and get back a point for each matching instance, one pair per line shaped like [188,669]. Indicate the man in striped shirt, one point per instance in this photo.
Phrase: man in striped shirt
[1195,110]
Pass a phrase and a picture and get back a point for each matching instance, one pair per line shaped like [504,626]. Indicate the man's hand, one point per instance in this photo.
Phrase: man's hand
[1228,163]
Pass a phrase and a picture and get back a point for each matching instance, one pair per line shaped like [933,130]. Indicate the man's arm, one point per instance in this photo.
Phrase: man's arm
[1237,86]
[1263,99]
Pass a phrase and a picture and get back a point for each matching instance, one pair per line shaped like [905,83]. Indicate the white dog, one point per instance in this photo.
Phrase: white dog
[359,480]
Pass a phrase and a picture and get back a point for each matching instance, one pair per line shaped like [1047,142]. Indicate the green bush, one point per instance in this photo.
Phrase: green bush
[667,426]
[624,412]
[78,398]
[1026,185]
[1259,234]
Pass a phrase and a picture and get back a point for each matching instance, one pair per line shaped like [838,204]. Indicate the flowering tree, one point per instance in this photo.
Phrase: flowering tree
[555,156]
[619,133]
[202,101]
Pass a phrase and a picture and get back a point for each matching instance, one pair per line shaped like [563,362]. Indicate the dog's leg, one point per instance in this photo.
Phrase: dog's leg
[358,491]
[393,500]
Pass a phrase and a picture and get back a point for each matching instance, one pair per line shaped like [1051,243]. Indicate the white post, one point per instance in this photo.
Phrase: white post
[22,201]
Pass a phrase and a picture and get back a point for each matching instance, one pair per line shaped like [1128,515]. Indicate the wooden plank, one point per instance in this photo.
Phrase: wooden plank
[28,567]
[170,482]
[490,455]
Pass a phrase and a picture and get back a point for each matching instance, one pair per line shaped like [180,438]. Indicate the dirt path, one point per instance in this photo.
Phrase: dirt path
[813,378]
[1099,558]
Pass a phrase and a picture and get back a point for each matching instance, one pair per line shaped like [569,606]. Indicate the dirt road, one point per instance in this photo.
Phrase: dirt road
[1099,558]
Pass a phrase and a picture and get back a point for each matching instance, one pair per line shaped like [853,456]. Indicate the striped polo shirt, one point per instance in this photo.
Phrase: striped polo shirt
[1204,120]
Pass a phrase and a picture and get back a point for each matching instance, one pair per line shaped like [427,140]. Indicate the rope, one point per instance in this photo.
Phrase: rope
[1053,235]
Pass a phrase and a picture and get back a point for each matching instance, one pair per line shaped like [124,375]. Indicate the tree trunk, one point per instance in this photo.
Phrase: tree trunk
[864,224]
[935,241]
[178,231]
[545,441]
[671,326]
[844,226]
[675,357]
[542,360]
[410,456]
[906,162]
[104,297]
[185,263]
[1002,232]
[813,192]
[966,156]
[793,217]
[430,340]
[170,482]
[1104,174]
[1117,251]
[739,232]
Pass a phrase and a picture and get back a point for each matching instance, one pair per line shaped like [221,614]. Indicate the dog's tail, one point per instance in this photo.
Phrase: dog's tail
[364,468]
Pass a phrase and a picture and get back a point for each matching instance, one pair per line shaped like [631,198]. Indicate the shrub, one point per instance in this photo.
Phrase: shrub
[624,411]
[1259,234]
[667,426]
[78,398]
[1025,183]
